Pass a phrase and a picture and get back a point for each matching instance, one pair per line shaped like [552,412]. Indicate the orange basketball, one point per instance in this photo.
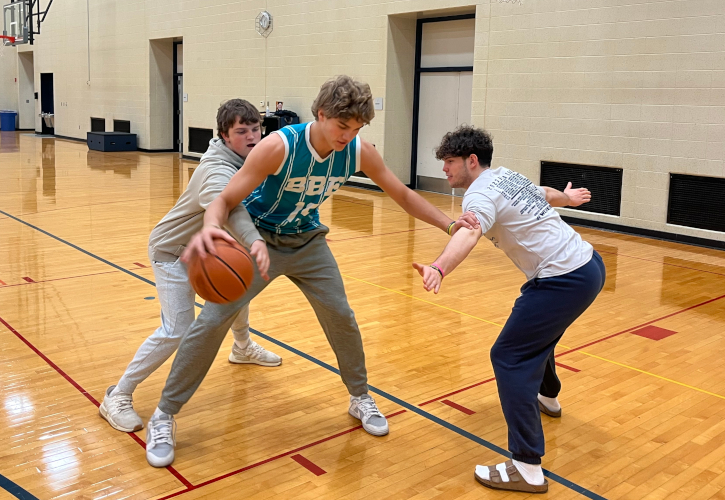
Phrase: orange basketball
[224,277]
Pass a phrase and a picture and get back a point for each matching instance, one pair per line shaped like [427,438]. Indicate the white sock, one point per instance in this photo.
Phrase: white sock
[158,413]
[551,403]
[532,474]
[243,344]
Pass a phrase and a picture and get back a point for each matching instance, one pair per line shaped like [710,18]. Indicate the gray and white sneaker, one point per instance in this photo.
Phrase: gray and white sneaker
[364,408]
[254,354]
[118,411]
[160,440]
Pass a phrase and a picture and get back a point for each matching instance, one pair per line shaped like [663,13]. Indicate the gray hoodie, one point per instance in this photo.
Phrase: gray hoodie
[170,236]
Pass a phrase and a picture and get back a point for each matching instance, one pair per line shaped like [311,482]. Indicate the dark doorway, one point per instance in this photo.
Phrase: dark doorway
[47,101]
[178,96]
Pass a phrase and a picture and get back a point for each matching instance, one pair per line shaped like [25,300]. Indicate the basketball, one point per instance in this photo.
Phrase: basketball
[224,277]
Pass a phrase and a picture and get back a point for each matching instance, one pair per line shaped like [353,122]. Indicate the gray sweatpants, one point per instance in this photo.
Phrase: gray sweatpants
[176,297]
[308,262]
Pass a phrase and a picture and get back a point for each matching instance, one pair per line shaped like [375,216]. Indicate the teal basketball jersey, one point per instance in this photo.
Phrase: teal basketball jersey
[286,202]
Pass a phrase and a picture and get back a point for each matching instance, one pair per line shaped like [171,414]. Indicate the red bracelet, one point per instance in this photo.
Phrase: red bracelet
[434,266]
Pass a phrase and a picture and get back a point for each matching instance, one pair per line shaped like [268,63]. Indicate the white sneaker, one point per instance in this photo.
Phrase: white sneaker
[160,440]
[254,354]
[365,409]
[118,411]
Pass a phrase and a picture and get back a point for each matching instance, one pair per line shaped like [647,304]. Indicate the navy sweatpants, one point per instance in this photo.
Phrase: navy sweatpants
[523,354]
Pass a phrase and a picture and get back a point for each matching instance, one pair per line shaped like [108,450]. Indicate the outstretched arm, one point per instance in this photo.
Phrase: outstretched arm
[455,252]
[567,198]
[373,166]
[263,160]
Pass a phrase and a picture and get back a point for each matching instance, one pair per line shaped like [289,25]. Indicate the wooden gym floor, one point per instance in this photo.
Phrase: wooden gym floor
[644,381]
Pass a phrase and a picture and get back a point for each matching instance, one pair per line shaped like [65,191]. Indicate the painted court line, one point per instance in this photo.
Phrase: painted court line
[271,459]
[653,375]
[115,266]
[574,349]
[664,263]
[316,470]
[458,391]
[145,280]
[443,423]
[81,390]
[458,407]
[421,300]
[555,477]
[569,349]
[15,490]
[56,279]
[189,486]
[566,367]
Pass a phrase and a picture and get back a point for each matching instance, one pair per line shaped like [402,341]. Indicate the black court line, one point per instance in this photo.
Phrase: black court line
[15,490]
[148,281]
[461,432]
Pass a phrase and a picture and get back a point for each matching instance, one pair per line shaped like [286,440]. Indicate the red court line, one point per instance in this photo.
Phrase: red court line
[639,326]
[582,347]
[567,367]
[95,205]
[2,283]
[383,234]
[317,471]
[663,263]
[272,459]
[58,279]
[459,390]
[29,280]
[83,391]
[140,265]
[458,407]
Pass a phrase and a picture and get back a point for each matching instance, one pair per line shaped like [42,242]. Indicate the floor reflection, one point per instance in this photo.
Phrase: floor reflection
[9,142]
[681,276]
[48,164]
[610,258]
[352,213]
[98,160]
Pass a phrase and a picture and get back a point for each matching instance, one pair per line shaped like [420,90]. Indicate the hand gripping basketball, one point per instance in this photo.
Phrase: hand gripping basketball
[224,277]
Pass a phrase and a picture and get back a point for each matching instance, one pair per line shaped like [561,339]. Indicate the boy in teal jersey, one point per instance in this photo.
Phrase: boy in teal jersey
[285,178]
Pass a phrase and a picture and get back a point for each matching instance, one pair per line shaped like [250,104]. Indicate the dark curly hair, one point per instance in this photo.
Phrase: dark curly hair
[466,141]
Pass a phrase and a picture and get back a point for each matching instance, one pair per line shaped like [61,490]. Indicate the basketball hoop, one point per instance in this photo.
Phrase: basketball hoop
[17,23]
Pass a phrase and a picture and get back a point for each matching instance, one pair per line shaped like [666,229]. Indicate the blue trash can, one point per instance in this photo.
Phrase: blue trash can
[7,120]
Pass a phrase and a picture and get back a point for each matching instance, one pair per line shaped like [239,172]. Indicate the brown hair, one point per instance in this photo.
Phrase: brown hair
[229,111]
[345,98]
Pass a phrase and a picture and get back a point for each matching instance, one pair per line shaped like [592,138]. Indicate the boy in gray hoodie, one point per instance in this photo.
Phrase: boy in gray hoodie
[238,124]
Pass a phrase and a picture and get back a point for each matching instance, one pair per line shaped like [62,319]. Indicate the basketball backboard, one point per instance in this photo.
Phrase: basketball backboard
[15,23]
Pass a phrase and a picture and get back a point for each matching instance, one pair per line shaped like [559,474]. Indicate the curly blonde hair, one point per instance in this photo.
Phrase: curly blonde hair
[345,98]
